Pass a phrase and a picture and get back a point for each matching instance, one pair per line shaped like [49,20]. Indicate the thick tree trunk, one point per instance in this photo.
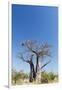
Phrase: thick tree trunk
[32,73]
[30,77]
[37,64]
[38,71]
[15,81]
[38,77]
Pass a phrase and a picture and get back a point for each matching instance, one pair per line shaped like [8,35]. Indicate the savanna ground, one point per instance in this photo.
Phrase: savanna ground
[20,78]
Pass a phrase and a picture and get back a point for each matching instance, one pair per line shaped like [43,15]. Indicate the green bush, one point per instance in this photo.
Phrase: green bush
[47,77]
[17,76]
[51,76]
[44,77]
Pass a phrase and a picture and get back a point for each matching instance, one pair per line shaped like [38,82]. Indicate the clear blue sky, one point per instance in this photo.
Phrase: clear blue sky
[34,23]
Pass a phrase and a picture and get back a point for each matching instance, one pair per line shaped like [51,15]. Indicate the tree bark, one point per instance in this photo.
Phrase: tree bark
[15,81]
[32,73]
[31,76]
[37,64]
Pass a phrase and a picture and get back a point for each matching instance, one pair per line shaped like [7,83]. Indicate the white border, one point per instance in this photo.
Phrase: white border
[37,2]
[9,43]
[41,3]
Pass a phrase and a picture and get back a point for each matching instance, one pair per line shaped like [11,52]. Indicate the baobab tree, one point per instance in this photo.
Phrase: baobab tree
[39,51]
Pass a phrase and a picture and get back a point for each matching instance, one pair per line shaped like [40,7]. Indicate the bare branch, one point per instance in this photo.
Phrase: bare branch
[20,56]
[45,64]
[46,45]
[45,52]
[29,45]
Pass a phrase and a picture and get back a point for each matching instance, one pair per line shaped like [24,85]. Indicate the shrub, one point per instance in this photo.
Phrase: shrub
[44,77]
[47,77]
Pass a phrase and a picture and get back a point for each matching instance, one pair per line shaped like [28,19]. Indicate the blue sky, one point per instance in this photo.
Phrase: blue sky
[34,23]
